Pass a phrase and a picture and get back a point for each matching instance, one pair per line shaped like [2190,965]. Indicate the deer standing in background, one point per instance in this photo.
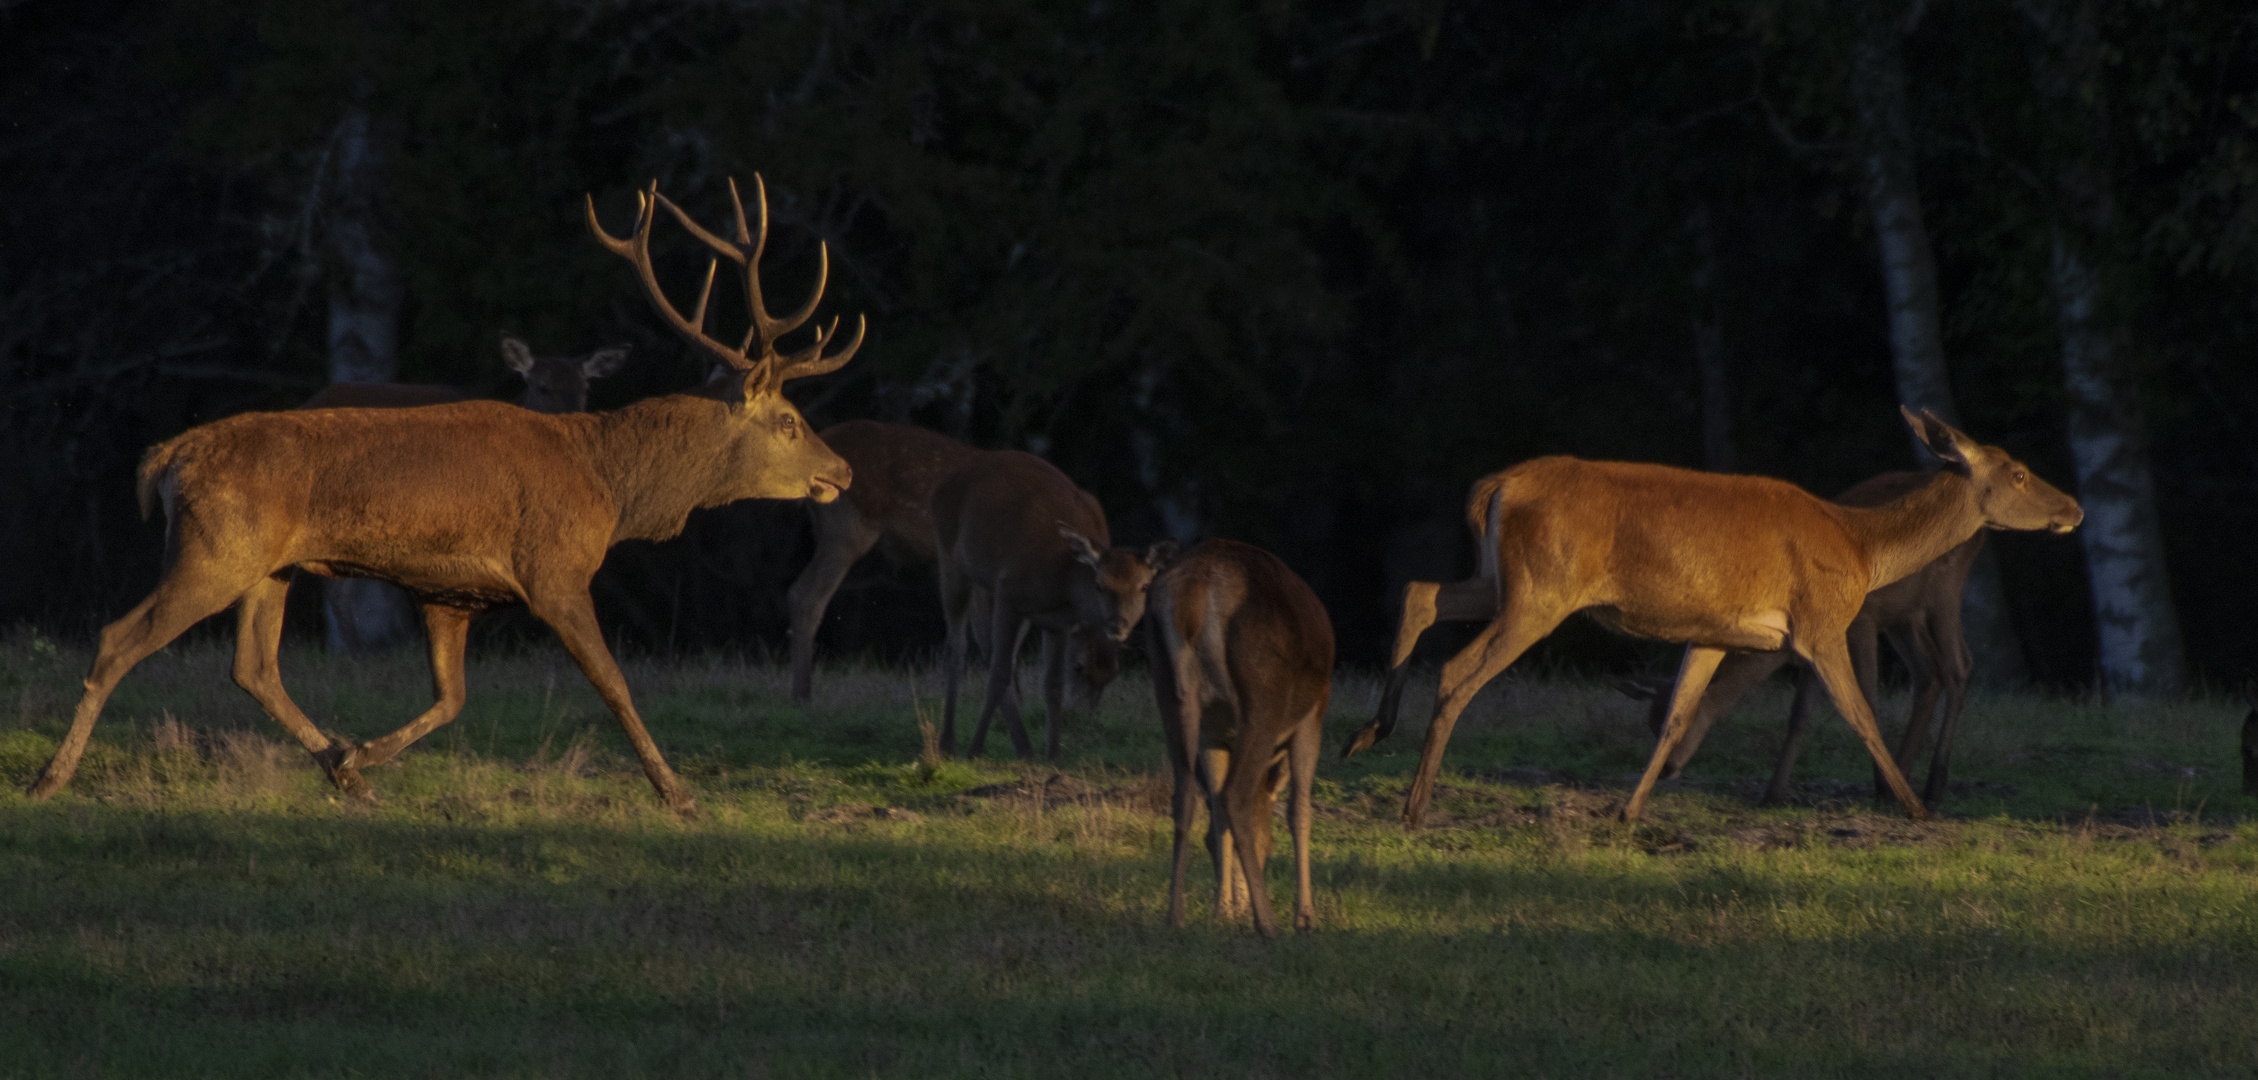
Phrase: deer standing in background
[1013,525]
[553,384]
[468,507]
[890,506]
[1241,654]
[1920,614]
[1721,563]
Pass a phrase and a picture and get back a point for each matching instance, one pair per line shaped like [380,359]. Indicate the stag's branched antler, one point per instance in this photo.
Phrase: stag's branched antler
[757,352]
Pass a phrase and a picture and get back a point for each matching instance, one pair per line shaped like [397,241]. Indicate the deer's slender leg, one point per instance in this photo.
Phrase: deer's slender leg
[1830,657]
[1424,603]
[1694,670]
[1178,700]
[258,641]
[449,629]
[573,617]
[1007,634]
[1735,677]
[956,597]
[1917,646]
[1056,647]
[1954,665]
[1799,725]
[842,538]
[1230,881]
[1492,651]
[1308,742]
[1249,790]
[186,596]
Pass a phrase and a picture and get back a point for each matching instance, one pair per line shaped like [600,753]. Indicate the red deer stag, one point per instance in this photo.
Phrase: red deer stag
[1919,614]
[1717,562]
[896,469]
[468,507]
[1241,655]
[1013,525]
[553,384]
[358,621]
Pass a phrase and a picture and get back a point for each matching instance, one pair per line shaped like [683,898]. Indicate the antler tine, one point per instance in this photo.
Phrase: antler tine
[726,249]
[811,361]
[792,322]
[705,293]
[637,250]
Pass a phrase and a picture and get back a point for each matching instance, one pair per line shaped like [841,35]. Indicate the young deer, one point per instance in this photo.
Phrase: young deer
[1013,525]
[890,507]
[1919,614]
[1241,655]
[1721,563]
[361,614]
[469,507]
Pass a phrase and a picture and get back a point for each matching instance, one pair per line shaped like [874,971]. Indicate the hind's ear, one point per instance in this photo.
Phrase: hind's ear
[517,354]
[1940,437]
[1160,555]
[604,361]
[1085,552]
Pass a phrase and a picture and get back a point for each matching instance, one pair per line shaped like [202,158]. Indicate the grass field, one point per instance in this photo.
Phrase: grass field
[200,904]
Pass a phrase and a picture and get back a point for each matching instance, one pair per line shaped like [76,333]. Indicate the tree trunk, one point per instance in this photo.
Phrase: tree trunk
[364,335]
[2141,650]
[1909,278]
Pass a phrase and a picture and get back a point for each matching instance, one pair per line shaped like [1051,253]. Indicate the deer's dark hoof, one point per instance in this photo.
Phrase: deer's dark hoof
[683,805]
[341,763]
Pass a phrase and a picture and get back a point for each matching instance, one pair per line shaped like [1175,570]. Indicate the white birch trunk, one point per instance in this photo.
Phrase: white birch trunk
[364,337]
[1916,308]
[2141,651]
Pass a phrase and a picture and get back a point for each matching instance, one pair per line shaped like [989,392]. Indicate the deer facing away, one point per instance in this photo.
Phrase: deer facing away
[1241,654]
[1919,614]
[355,620]
[1012,525]
[1721,563]
[468,507]
[890,508]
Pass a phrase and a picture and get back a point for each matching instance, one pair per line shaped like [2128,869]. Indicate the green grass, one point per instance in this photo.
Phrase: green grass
[199,904]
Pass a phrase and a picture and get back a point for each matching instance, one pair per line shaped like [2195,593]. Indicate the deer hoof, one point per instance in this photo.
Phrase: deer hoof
[341,763]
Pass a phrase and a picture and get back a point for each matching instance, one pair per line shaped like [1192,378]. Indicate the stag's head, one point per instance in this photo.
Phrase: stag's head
[2010,495]
[1110,600]
[775,454]
[559,384]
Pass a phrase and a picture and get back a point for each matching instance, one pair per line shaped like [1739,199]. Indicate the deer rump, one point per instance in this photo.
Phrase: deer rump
[1241,654]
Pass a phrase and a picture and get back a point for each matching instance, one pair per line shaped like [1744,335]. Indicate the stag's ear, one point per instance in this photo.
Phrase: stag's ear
[1940,437]
[604,361]
[1160,555]
[1085,552]
[517,354]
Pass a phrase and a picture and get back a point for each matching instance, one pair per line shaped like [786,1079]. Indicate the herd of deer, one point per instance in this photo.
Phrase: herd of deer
[471,505]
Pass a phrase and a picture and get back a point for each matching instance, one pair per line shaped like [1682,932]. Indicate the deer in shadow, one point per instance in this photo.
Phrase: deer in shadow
[1241,654]
[1719,563]
[1919,614]
[890,509]
[360,614]
[1013,526]
[468,507]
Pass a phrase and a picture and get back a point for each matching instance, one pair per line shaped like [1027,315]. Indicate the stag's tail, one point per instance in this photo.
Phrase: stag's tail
[155,466]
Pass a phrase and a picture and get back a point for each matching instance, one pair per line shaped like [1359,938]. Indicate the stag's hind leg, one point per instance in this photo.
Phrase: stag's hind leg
[448,629]
[1499,644]
[188,594]
[569,612]
[1424,604]
[258,640]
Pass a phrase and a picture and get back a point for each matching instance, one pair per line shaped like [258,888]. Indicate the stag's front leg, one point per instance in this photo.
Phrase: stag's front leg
[448,629]
[573,617]
[258,641]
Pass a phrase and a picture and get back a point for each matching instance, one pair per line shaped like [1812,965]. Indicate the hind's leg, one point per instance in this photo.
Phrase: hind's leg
[188,594]
[1424,604]
[258,637]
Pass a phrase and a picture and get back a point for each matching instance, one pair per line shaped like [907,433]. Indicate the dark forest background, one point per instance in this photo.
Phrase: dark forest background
[1288,272]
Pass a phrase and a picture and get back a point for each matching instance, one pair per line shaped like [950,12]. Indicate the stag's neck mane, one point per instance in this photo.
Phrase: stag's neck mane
[1911,531]
[662,457]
